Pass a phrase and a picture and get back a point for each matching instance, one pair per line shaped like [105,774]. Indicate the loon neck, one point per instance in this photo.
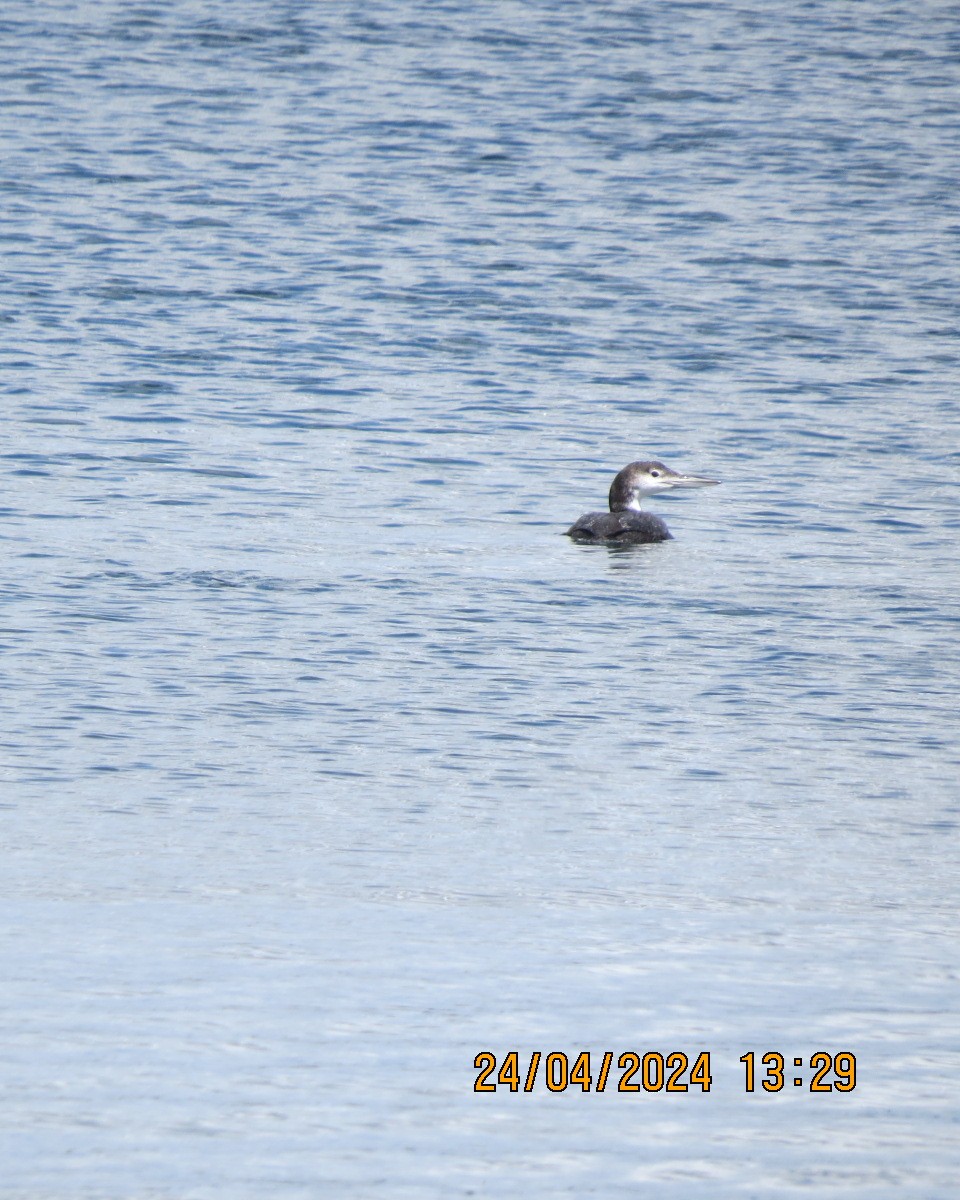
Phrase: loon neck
[632,504]
[624,493]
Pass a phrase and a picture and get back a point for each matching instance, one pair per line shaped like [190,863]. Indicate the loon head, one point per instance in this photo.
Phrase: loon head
[640,479]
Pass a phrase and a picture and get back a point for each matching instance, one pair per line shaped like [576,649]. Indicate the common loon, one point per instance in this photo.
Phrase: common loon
[625,522]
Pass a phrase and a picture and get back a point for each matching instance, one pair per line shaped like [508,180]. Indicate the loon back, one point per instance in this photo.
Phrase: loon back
[625,527]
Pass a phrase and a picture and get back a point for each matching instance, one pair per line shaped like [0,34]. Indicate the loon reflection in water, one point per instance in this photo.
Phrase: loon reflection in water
[625,523]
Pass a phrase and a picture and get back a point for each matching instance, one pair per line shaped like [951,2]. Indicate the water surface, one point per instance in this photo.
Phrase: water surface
[327,761]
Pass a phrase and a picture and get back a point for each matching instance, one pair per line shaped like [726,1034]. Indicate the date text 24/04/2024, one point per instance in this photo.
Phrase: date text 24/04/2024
[653,1071]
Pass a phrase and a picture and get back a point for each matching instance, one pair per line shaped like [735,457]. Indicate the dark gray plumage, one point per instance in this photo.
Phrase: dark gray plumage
[619,527]
[625,523]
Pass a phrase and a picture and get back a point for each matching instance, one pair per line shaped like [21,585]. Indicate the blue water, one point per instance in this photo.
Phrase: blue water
[326,762]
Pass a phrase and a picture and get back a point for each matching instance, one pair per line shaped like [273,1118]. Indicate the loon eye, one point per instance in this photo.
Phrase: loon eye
[655,474]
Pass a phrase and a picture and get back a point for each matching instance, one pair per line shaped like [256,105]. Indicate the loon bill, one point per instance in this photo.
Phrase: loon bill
[625,523]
